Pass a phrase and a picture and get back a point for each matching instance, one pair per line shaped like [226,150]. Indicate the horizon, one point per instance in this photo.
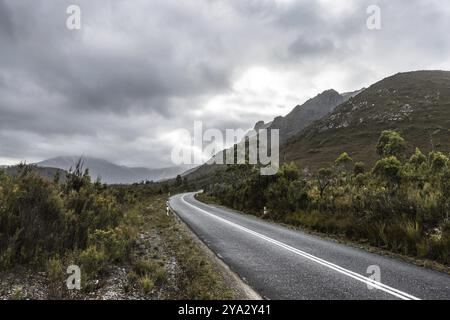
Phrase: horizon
[11,163]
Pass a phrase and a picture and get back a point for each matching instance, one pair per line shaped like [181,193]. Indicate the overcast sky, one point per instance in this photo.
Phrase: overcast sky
[138,70]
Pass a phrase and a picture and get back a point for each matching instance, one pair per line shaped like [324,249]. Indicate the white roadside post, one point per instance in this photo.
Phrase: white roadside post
[265,211]
[167,205]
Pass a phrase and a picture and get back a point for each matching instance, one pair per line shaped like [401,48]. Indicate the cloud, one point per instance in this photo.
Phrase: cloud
[139,70]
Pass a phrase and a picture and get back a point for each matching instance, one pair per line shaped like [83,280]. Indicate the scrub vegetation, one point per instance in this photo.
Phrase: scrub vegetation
[120,236]
[400,204]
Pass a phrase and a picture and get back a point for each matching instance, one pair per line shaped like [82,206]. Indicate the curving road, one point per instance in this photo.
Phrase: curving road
[280,263]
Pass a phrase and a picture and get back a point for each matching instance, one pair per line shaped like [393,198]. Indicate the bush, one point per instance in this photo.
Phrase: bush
[31,219]
[115,243]
[155,270]
[146,284]
[43,222]
[55,276]
[93,261]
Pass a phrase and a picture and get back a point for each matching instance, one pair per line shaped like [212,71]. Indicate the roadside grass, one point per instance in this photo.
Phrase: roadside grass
[196,277]
[340,229]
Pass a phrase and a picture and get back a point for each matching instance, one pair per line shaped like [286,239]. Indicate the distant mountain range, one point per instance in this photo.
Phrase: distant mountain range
[417,104]
[112,173]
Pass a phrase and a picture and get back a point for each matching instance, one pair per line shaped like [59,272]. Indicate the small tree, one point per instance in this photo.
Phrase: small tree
[277,197]
[289,171]
[417,159]
[360,168]
[391,143]
[77,179]
[324,178]
[445,190]
[297,196]
[388,169]
[438,161]
[57,177]
[344,161]
[178,181]
[185,183]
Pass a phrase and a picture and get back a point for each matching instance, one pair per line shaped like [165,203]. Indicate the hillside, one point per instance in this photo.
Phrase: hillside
[290,125]
[47,173]
[303,115]
[417,104]
[112,173]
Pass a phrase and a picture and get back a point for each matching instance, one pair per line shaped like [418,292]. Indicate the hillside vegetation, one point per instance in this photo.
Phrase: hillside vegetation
[416,104]
[121,237]
[401,203]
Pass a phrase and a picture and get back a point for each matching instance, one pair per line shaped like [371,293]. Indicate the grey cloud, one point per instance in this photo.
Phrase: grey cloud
[139,69]
[6,24]
[306,46]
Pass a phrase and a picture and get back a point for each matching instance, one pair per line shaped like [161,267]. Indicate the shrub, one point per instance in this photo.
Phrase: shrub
[145,267]
[359,168]
[146,284]
[54,270]
[391,144]
[388,169]
[153,269]
[115,243]
[344,161]
[40,219]
[93,261]
[31,219]
[55,278]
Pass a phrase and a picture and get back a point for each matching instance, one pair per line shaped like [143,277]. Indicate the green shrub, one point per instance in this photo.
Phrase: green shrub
[115,243]
[55,276]
[145,267]
[93,261]
[146,284]
[154,269]
[31,219]
[40,219]
[54,270]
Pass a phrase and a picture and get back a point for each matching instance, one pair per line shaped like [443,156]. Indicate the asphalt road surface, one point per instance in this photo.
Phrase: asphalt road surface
[280,263]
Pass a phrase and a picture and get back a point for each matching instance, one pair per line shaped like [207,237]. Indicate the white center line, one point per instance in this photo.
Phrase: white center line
[383,287]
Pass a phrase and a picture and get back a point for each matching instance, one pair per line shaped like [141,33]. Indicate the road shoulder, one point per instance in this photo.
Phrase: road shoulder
[241,290]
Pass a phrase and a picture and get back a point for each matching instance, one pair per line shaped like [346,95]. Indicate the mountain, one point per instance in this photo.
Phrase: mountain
[290,125]
[47,173]
[112,173]
[303,115]
[417,104]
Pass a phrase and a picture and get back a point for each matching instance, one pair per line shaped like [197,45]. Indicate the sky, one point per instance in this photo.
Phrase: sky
[124,86]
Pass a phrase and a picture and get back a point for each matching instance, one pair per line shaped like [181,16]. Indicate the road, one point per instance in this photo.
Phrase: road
[280,263]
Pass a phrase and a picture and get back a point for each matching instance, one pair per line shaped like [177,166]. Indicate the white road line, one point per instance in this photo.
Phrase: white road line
[383,287]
